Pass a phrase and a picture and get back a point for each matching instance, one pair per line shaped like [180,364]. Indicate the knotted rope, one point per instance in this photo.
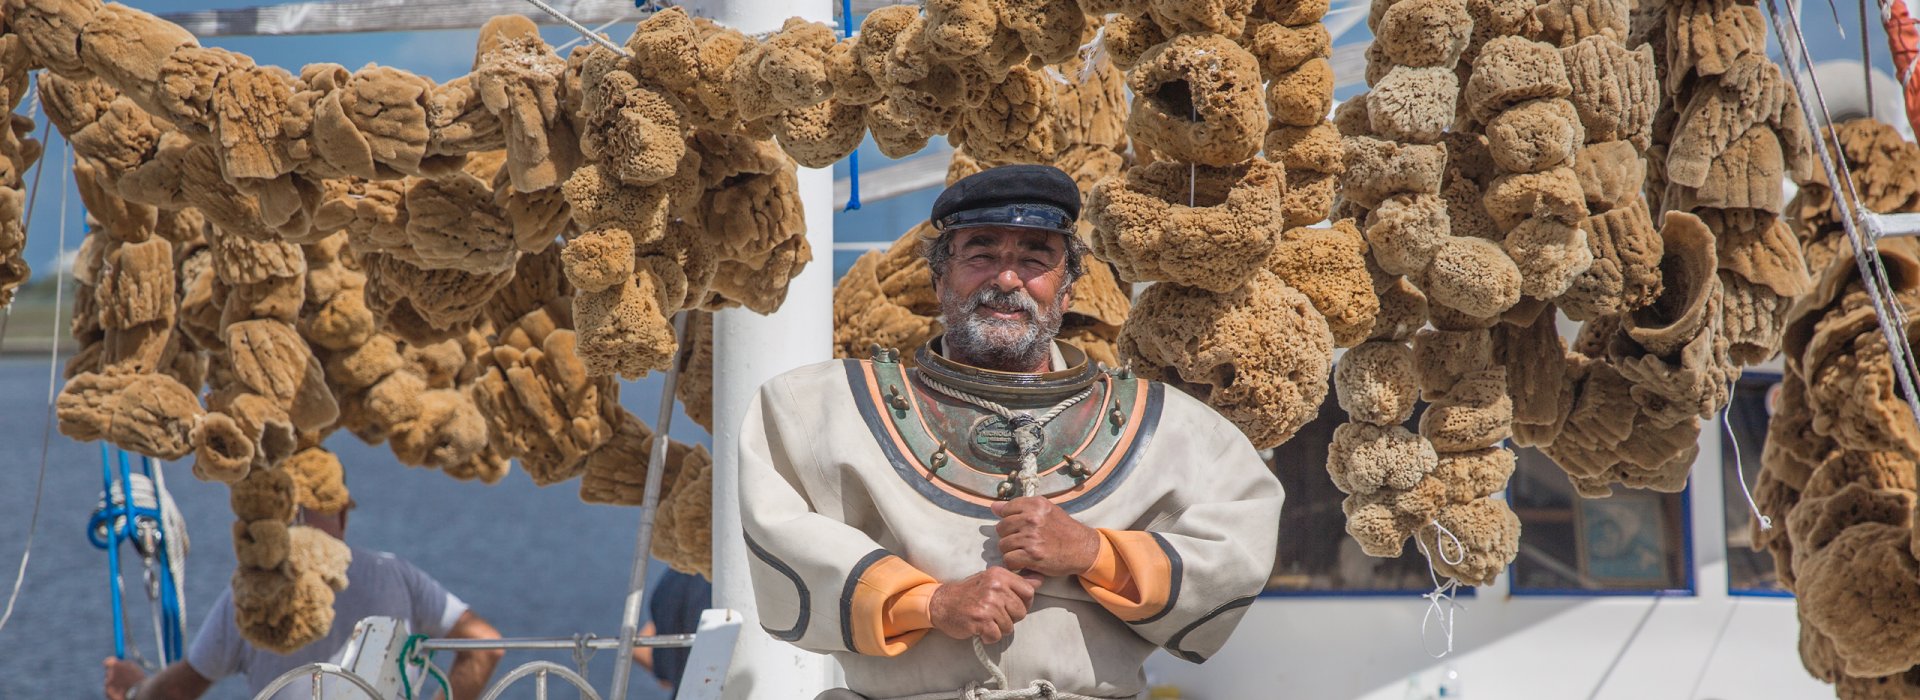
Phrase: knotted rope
[1028,432]
[1441,599]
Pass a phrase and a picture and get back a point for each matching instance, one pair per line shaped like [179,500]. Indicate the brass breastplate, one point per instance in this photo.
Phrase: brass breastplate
[963,456]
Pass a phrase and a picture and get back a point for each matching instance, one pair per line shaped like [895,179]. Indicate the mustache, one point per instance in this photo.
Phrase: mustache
[1016,299]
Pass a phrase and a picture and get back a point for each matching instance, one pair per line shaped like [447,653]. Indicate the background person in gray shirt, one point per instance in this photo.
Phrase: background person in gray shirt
[379,584]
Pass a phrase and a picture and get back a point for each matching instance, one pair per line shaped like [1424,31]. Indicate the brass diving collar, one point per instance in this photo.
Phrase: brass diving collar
[1014,386]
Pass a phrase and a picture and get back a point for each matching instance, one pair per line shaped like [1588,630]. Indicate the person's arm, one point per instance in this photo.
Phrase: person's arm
[177,681]
[471,669]
[1184,579]
[821,584]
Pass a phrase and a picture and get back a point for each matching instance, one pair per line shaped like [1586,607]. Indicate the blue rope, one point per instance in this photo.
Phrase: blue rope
[104,534]
[853,159]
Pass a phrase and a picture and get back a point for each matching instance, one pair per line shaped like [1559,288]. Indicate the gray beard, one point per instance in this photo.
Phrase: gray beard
[1011,345]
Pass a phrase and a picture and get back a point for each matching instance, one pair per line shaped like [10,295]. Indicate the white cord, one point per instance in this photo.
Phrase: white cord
[1740,473]
[46,435]
[1441,600]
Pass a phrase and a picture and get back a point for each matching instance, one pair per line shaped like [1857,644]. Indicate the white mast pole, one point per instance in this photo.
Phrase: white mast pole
[750,349]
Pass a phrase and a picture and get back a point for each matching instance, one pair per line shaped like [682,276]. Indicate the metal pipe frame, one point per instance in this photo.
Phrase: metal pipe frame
[664,641]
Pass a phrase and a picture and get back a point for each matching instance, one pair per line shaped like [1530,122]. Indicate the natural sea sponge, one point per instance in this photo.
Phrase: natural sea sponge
[1564,22]
[542,407]
[1305,149]
[1204,226]
[1382,521]
[426,306]
[260,544]
[1488,538]
[616,472]
[1720,111]
[1614,90]
[312,551]
[1365,458]
[1510,70]
[1858,590]
[1280,48]
[1474,276]
[151,414]
[1350,117]
[281,612]
[1535,135]
[222,450]
[1303,96]
[1550,255]
[786,71]
[1474,474]
[268,357]
[126,47]
[863,314]
[1406,231]
[1476,413]
[1442,358]
[961,27]
[1413,104]
[1259,354]
[1689,286]
[1746,175]
[1403,307]
[1707,37]
[1760,249]
[823,134]
[1329,266]
[1375,383]
[1292,13]
[1378,169]
[1625,273]
[598,259]
[1015,123]
[688,517]
[1552,194]
[1611,174]
[1535,358]
[1424,32]
[317,479]
[265,494]
[1197,99]
[1309,197]
[623,330]
[1129,37]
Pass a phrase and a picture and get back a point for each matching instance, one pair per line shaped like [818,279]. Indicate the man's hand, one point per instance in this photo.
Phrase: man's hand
[983,605]
[121,675]
[1036,535]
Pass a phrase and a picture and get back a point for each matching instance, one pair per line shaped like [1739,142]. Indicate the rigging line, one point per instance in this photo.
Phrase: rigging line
[1714,650]
[1866,59]
[1617,656]
[596,30]
[46,434]
[582,29]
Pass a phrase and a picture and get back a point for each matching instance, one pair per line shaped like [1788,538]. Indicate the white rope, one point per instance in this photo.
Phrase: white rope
[1739,472]
[596,31]
[1026,435]
[1441,600]
[1093,53]
[582,29]
[46,434]
[153,494]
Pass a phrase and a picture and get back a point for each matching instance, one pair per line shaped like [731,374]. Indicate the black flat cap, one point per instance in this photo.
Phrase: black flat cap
[1020,196]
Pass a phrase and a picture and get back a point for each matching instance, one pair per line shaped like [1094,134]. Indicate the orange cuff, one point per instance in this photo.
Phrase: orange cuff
[1131,576]
[889,609]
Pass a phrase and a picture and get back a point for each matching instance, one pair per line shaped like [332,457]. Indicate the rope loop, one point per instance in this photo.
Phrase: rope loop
[1441,599]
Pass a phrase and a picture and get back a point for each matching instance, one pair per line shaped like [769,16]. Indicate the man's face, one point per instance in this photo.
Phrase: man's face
[1003,295]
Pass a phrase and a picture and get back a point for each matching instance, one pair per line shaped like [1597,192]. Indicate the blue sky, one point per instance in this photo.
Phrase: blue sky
[444,55]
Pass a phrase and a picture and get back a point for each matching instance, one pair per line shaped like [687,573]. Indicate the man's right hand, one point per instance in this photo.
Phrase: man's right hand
[121,675]
[983,605]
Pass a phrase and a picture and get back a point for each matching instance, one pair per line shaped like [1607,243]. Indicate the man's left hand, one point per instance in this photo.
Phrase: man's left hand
[1036,535]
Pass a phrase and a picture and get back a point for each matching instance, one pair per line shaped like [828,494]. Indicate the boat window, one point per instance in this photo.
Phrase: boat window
[1749,572]
[1634,541]
[1316,555]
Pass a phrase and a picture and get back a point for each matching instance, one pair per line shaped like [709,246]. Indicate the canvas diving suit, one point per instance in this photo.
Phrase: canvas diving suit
[862,489]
